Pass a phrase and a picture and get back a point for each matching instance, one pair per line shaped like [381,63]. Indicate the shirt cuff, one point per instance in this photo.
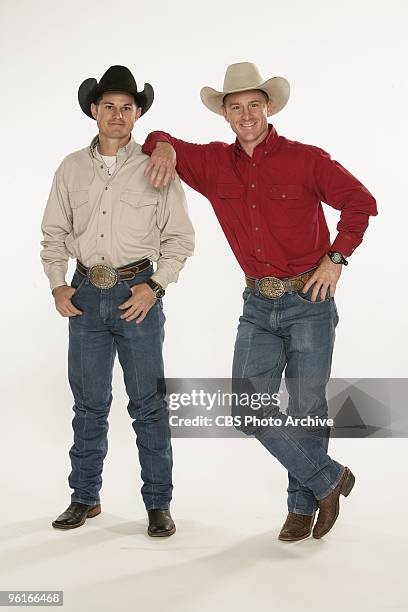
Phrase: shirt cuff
[153,139]
[167,272]
[344,244]
[160,279]
[56,280]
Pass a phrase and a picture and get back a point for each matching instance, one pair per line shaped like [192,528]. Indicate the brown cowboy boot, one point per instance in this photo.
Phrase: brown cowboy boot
[329,506]
[296,527]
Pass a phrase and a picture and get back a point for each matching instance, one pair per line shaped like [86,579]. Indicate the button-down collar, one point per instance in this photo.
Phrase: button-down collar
[268,144]
[130,147]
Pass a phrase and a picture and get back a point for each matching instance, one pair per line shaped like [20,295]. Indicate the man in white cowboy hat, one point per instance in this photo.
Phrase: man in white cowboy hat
[267,192]
[103,212]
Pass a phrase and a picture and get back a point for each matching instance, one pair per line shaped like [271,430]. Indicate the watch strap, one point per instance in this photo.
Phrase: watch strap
[337,258]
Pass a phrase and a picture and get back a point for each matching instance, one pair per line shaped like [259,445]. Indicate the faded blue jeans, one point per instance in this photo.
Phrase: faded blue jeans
[294,335]
[94,339]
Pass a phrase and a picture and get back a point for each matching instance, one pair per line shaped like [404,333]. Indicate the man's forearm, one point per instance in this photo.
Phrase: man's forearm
[191,160]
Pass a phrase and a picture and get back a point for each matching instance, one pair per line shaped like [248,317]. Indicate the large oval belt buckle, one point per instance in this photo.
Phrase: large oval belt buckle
[271,287]
[103,277]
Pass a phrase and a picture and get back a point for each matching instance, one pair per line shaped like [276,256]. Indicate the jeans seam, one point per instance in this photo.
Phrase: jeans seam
[147,433]
[280,364]
[300,448]
[151,470]
[248,351]
[296,501]
[85,413]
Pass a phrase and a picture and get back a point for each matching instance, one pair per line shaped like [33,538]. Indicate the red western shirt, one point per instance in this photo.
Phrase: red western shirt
[270,205]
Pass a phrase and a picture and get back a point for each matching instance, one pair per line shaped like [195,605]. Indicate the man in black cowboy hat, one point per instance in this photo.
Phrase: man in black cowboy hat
[103,212]
[267,192]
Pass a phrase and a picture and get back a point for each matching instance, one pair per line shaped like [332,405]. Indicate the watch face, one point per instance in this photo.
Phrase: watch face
[336,257]
[160,293]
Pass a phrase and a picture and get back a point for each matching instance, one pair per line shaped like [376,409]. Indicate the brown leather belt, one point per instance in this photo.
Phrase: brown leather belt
[106,277]
[273,288]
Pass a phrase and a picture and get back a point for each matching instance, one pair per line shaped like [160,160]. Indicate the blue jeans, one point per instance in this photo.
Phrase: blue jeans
[290,333]
[94,338]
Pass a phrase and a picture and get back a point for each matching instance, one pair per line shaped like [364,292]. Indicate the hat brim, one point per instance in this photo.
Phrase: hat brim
[88,92]
[277,89]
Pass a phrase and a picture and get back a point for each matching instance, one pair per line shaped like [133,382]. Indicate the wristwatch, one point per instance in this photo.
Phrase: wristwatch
[158,289]
[337,258]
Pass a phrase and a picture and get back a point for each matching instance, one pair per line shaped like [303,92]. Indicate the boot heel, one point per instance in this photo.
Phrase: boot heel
[94,512]
[348,483]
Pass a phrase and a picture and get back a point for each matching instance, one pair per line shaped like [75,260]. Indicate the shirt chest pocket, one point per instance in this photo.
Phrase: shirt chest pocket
[79,201]
[289,196]
[138,211]
[286,206]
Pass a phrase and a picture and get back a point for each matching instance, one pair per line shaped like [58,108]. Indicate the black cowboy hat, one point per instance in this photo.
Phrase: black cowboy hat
[116,78]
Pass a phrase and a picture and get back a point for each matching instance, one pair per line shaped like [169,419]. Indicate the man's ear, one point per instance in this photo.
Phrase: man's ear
[224,112]
[138,112]
[94,110]
[269,108]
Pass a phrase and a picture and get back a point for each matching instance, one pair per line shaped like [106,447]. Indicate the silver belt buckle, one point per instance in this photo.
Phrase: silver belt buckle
[271,287]
[102,276]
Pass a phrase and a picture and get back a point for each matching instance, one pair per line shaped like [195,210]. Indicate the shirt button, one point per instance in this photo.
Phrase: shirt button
[265,152]
[257,229]
[253,205]
[253,185]
[101,166]
[267,265]
[253,165]
[106,189]
[104,212]
[283,195]
[102,235]
[258,250]
[102,258]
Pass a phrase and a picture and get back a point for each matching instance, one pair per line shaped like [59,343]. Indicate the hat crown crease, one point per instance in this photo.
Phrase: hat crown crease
[244,75]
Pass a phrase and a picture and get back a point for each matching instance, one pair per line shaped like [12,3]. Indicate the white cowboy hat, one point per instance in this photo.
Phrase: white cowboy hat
[244,77]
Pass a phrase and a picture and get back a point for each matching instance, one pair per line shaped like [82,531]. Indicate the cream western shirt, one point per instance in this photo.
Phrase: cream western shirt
[114,220]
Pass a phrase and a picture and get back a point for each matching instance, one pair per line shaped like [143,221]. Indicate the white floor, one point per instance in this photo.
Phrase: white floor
[229,504]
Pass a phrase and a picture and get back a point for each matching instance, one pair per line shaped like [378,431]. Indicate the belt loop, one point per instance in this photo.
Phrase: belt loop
[257,292]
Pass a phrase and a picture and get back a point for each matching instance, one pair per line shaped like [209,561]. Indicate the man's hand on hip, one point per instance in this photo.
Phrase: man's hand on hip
[62,296]
[324,277]
[162,165]
[139,304]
